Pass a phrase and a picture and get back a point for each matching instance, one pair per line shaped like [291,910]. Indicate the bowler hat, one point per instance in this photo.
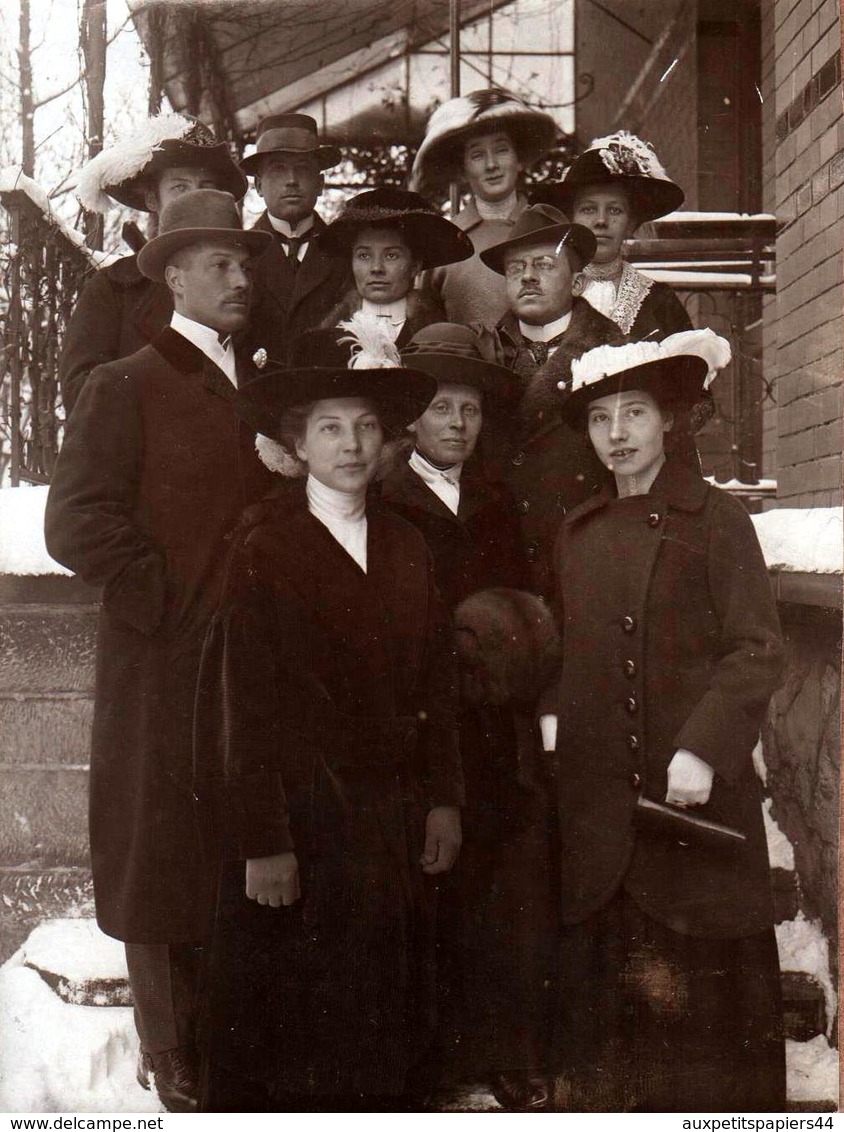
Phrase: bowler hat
[454,354]
[290,133]
[204,215]
[126,169]
[433,240]
[541,224]
[677,371]
[619,159]
[322,365]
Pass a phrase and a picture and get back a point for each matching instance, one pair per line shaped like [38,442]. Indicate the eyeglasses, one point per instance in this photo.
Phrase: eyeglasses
[541,264]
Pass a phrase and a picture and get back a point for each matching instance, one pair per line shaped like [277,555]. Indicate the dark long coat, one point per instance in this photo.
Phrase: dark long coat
[497,911]
[286,301]
[549,466]
[671,640]
[326,726]
[117,313]
[153,474]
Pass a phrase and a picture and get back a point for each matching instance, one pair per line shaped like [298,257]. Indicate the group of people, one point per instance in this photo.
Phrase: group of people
[429,666]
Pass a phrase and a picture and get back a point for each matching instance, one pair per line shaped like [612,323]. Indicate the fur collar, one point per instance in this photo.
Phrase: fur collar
[588,328]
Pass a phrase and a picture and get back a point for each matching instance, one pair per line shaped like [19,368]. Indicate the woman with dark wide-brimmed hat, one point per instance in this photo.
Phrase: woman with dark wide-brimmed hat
[616,185]
[388,236]
[668,973]
[326,754]
[483,141]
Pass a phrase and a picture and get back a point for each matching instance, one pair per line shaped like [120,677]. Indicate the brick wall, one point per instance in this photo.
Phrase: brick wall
[769,204]
[803,348]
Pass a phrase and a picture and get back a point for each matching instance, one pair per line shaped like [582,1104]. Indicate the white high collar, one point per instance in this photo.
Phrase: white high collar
[394,314]
[444,482]
[547,331]
[206,339]
[497,209]
[289,231]
[343,513]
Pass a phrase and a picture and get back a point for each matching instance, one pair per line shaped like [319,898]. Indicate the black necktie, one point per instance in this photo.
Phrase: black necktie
[292,245]
[538,351]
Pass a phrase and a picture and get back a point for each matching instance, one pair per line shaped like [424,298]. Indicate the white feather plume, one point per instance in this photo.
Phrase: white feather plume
[604,361]
[623,152]
[125,159]
[277,458]
[372,345]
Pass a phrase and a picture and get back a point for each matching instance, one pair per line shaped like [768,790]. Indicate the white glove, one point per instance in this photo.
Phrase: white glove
[689,780]
[548,730]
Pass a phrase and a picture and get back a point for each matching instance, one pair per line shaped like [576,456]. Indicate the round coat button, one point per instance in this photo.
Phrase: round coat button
[632,705]
[524,506]
[635,780]
[532,551]
[654,519]
[518,459]
[628,624]
[630,668]
[633,742]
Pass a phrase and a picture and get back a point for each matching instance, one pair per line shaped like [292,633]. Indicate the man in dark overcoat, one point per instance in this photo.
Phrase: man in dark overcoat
[296,283]
[547,465]
[119,310]
[154,471]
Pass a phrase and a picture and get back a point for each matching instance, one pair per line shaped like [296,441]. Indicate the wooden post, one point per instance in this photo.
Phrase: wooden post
[27,102]
[92,37]
[454,68]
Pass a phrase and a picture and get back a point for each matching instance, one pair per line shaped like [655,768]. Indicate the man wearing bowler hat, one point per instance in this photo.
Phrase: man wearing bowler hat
[296,283]
[547,465]
[119,310]
[154,471]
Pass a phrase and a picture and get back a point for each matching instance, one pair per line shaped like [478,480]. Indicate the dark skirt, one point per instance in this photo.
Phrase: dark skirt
[650,1020]
[333,997]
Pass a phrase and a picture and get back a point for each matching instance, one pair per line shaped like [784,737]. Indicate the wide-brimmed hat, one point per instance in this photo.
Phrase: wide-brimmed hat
[677,371]
[290,133]
[204,215]
[332,363]
[439,159]
[541,224]
[433,240]
[619,159]
[454,354]
[125,171]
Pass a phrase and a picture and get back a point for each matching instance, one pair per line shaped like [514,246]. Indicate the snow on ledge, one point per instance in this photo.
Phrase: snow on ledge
[802,540]
[22,549]
[803,947]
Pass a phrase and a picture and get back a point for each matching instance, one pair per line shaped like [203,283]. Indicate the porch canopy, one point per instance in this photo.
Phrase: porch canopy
[369,71]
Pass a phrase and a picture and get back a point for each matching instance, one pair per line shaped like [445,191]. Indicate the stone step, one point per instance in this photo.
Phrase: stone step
[30,894]
[47,648]
[50,729]
[44,815]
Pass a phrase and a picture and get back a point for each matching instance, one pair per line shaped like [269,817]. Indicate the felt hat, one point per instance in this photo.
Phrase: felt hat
[125,171]
[196,217]
[433,240]
[541,224]
[454,353]
[439,158]
[355,359]
[290,133]
[619,159]
[677,371]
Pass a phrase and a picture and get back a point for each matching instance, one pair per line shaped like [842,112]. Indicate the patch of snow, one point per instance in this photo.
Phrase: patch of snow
[22,549]
[806,540]
[803,947]
[739,485]
[812,1069]
[715,217]
[703,279]
[76,949]
[780,849]
[758,756]
[55,1057]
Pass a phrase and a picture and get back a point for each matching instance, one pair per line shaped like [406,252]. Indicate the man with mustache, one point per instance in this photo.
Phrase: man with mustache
[154,471]
[548,466]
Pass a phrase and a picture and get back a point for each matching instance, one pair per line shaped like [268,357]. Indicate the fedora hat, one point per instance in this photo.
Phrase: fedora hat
[542,224]
[290,133]
[678,370]
[433,240]
[619,159]
[323,364]
[203,215]
[439,158]
[126,170]
[455,354]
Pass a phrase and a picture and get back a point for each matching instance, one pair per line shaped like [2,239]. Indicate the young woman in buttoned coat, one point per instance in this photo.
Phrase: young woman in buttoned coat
[669,995]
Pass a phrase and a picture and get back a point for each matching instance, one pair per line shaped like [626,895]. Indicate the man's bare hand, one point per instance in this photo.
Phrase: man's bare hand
[273,880]
[442,839]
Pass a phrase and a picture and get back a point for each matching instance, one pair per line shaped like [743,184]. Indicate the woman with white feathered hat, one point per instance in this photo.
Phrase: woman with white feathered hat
[483,141]
[119,309]
[668,980]
[617,184]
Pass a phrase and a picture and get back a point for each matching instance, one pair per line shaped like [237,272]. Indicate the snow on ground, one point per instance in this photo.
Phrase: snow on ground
[84,965]
[812,1071]
[803,947]
[780,850]
[22,549]
[809,540]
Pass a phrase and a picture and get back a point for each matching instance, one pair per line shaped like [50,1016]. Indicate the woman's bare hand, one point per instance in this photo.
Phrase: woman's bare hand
[443,839]
[273,880]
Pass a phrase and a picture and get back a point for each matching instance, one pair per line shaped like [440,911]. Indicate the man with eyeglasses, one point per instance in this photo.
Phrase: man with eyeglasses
[548,466]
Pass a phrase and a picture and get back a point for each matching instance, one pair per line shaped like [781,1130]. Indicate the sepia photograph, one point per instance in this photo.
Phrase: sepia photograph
[421,551]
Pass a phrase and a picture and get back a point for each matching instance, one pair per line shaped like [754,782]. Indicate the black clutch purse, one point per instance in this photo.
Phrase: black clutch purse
[686,825]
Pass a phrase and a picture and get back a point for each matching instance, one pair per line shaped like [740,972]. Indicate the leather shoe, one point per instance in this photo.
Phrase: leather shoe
[175,1076]
[529,1093]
